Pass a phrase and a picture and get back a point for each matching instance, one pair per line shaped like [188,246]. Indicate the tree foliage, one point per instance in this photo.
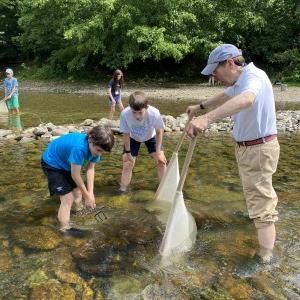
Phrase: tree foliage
[72,34]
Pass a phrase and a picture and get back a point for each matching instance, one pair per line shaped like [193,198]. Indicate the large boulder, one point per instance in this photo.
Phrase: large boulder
[37,237]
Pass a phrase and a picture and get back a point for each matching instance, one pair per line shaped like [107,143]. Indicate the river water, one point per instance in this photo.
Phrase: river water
[118,258]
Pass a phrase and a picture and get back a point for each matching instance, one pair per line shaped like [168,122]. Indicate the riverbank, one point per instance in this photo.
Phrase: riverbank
[168,91]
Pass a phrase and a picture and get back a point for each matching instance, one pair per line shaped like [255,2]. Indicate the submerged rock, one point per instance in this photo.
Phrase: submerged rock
[143,196]
[37,237]
[52,291]
[168,291]
[124,287]
[6,262]
[119,247]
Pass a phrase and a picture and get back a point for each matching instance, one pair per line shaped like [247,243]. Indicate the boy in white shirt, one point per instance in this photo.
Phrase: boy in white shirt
[141,123]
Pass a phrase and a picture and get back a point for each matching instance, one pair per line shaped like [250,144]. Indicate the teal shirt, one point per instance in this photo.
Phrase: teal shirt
[9,84]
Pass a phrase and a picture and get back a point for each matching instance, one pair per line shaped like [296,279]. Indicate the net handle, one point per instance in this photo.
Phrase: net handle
[186,164]
[183,134]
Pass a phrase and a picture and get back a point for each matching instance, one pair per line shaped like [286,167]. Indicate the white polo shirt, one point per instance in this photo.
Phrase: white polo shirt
[258,120]
[143,130]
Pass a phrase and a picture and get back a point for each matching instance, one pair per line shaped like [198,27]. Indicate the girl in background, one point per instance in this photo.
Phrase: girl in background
[114,92]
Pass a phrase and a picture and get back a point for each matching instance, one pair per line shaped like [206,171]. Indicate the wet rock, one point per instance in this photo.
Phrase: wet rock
[124,287]
[11,136]
[68,277]
[47,135]
[50,126]
[107,252]
[73,129]
[6,262]
[143,196]
[120,201]
[17,251]
[39,131]
[37,237]
[169,121]
[37,278]
[237,289]
[212,293]
[4,132]
[52,291]
[60,131]
[156,291]
[87,122]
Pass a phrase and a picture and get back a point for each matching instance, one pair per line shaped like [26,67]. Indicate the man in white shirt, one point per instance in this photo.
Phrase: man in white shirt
[249,99]
[141,123]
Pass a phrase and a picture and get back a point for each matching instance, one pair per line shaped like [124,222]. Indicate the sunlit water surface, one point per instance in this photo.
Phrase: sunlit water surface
[118,259]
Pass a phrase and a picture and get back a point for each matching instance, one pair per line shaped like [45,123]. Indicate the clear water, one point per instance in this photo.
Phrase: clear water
[118,257]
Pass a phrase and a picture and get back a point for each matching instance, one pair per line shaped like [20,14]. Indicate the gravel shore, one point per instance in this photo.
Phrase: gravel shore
[167,91]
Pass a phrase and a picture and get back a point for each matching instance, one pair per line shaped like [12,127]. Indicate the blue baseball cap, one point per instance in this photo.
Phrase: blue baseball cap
[219,54]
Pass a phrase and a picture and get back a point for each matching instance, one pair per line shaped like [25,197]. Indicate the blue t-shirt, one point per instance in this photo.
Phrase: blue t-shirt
[9,84]
[72,148]
[115,90]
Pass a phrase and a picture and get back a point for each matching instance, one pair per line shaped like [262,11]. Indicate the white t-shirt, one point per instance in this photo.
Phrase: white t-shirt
[258,120]
[143,130]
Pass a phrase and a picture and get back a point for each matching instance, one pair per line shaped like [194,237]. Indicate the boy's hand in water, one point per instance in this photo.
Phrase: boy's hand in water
[90,201]
[160,158]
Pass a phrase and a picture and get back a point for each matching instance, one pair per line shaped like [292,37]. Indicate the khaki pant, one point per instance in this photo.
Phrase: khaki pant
[256,165]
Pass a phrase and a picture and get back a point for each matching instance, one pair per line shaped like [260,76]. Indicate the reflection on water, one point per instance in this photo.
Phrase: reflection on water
[11,121]
[118,257]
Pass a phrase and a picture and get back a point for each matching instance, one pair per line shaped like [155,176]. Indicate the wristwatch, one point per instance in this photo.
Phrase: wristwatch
[127,151]
[201,106]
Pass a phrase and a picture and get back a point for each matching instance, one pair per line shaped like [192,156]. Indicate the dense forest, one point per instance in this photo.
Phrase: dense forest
[72,37]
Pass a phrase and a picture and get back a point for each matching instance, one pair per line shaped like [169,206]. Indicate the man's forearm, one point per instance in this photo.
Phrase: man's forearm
[216,100]
[232,106]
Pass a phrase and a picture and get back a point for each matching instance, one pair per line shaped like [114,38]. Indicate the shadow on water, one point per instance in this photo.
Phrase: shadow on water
[118,256]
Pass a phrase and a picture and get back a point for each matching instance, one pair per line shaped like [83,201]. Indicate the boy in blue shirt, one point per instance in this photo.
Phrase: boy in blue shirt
[11,92]
[62,162]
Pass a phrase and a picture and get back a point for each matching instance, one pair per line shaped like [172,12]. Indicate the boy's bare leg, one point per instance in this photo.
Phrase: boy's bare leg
[126,172]
[161,166]
[266,239]
[77,199]
[64,210]
[112,111]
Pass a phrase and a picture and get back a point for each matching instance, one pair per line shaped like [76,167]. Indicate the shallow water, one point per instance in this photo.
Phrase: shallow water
[118,257]
[60,109]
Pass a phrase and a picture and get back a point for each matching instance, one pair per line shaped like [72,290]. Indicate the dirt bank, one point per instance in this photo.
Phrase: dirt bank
[164,91]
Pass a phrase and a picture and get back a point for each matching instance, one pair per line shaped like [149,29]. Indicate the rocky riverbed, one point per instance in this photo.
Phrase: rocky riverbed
[287,122]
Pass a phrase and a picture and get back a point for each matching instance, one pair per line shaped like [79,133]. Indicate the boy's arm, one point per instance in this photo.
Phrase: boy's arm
[126,139]
[76,176]
[12,91]
[90,177]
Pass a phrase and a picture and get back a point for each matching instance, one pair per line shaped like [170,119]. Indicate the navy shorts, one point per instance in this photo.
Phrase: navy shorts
[135,146]
[60,182]
[117,99]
